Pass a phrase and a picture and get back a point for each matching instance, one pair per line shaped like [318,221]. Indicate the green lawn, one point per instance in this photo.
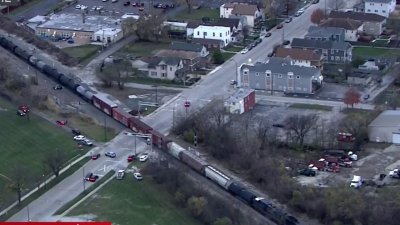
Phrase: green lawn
[140,49]
[227,55]
[129,202]
[25,143]
[233,48]
[197,14]
[363,52]
[311,106]
[24,8]
[83,53]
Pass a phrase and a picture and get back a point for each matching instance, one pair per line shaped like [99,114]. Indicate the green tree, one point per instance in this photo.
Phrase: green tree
[218,58]
[196,205]
[222,221]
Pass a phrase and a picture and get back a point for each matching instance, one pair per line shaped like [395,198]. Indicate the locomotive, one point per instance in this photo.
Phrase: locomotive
[107,104]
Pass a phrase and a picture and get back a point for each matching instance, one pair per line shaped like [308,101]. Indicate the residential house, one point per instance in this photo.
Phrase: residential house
[251,12]
[190,28]
[209,43]
[279,74]
[352,27]
[372,23]
[192,55]
[241,101]
[213,33]
[332,51]
[325,33]
[234,24]
[301,57]
[380,7]
[359,78]
[161,67]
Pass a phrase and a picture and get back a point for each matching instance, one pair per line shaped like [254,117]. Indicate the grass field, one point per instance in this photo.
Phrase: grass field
[233,49]
[363,52]
[26,142]
[227,55]
[129,202]
[140,49]
[311,106]
[197,14]
[83,53]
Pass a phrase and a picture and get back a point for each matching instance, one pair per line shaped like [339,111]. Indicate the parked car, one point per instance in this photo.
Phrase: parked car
[258,41]
[143,158]
[78,7]
[356,182]
[270,54]
[298,13]
[127,3]
[57,87]
[268,34]
[91,177]
[131,158]
[280,26]
[24,108]
[233,82]
[61,122]
[95,156]
[308,172]
[120,174]
[394,173]
[79,138]
[76,132]
[111,154]
[20,113]
[366,97]
[244,51]
[137,176]
[288,20]
[86,142]
[134,4]
[286,42]
[141,8]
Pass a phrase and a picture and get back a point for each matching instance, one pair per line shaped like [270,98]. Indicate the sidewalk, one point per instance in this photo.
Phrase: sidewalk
[153,86]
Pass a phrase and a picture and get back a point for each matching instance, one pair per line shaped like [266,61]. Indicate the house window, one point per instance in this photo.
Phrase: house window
[337,58]
[332,51]
[280,76]
[246,72]
[204,34]
[257,74]
[332,58]
[376,10]
[213,34]
[164,74]
[163,67]
[198,33]
[154,74]
[290,76]
[170,68]
[297,77]
[268,75]
[220,34]
[369,10]
[384,11]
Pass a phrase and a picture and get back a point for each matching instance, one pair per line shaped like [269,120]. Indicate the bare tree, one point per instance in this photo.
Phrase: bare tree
[189,4]
[19,178]
[129,26]
[150,28]
[55,160]
[300,125]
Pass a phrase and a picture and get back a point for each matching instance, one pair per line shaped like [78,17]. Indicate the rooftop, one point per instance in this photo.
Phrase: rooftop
[378,1]
[298,54]
[316,44]
[282,66]
[75,22]
[327,32]
[227,22]
[204,26]
[360,16]
[388,118]
[158,60]
[241,8]
[347,24]
[239,95]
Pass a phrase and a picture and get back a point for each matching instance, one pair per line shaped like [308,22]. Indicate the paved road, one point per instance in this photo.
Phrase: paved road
[40,8]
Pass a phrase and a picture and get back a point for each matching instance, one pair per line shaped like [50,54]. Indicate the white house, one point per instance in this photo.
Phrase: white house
[380,7]
[250,12]
[108,35]
[352,28]
[214,33]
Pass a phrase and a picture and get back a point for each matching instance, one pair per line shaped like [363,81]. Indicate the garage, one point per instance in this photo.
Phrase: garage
[385,127]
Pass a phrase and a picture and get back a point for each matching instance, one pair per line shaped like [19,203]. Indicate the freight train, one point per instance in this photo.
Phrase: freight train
[107,104]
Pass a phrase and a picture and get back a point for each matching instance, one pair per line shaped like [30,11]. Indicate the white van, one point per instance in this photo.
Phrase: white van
[356,182]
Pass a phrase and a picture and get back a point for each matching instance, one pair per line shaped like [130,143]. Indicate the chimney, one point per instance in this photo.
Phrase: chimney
[83,17]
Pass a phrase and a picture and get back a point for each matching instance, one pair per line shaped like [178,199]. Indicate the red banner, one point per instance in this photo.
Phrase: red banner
[55,223]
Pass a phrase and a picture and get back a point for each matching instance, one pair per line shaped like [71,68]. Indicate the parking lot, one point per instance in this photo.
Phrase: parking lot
[114,7]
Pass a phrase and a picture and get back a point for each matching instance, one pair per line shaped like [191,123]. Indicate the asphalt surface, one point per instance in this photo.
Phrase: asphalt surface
[216,84]
[40,8]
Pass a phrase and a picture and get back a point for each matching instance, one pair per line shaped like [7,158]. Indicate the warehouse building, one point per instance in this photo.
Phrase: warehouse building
[385,127]
[81,28]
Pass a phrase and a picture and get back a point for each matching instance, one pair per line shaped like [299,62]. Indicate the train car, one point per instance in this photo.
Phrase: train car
[235,188]
[68,81]
[139,126]
[193,161]
[102,102]
[159,139]
[22,53]
[85,91]
[247,196]
[40,65]
[122,116]
[217,176]
[33,60]
[51,72]
[9,45]
[175,149]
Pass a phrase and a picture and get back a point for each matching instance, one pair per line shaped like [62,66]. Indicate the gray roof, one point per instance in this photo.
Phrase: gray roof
[378,1]
[360,16]
[282,66]
[388,118]
[239,95]
[183,46]
[326,32]
[316,44]
[156,60]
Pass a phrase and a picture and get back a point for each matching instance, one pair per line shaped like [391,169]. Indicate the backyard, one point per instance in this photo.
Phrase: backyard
[141,49]
[362,52]
[198,14]
[26,142]
[128,201]
[83,53]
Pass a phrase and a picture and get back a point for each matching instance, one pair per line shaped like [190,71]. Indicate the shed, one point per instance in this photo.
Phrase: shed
[385,127]
[241,101]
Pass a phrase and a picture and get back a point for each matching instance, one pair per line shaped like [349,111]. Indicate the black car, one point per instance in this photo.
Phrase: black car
[307,172]
[278,125]
[76,132]
[20,113]
[254,44]
[127,3]
[270,54]
[268,34]
[258,41]
[286,42]
[57,87]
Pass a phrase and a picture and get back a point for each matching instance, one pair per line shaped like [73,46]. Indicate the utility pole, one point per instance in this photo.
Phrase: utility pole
[105,128]
[83,176]
[135,145]
[27,210]
[156,94]
[173,117]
